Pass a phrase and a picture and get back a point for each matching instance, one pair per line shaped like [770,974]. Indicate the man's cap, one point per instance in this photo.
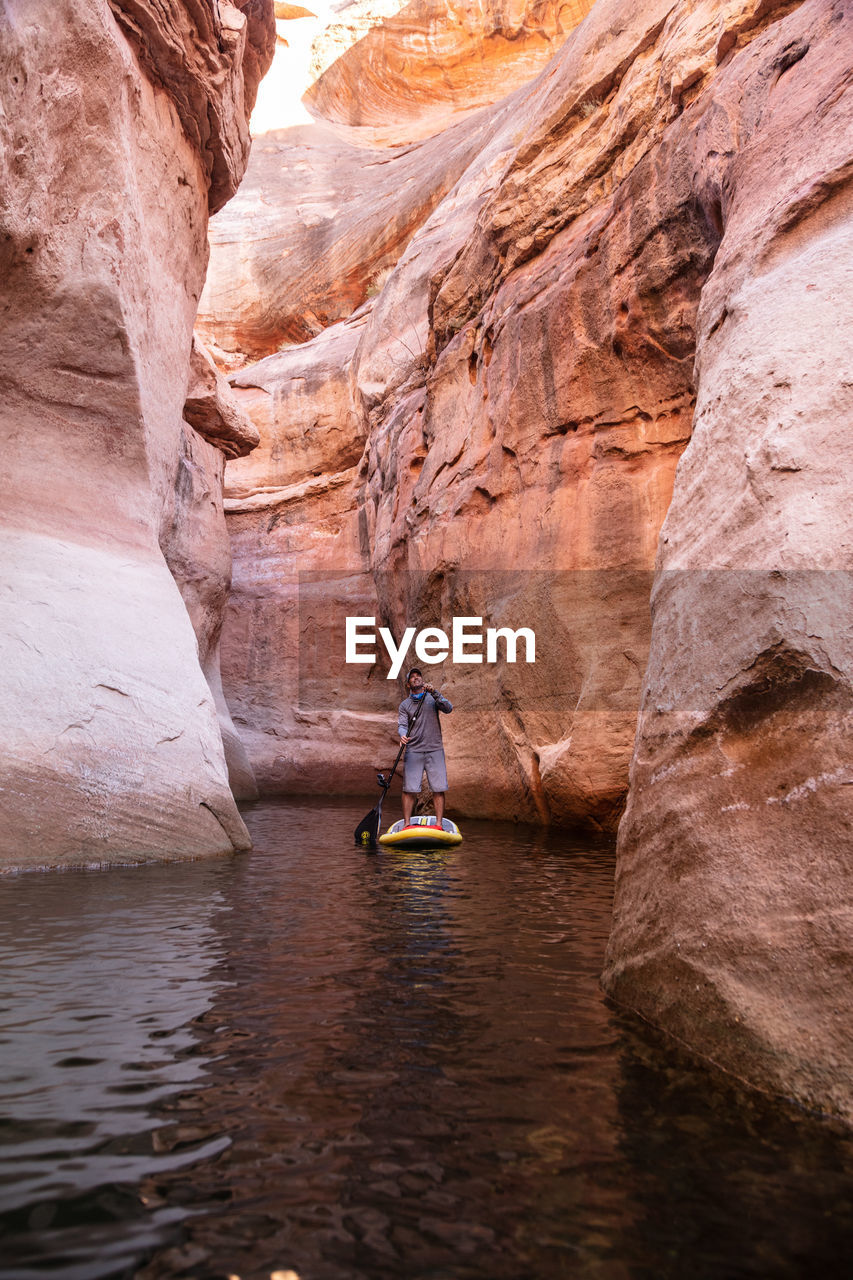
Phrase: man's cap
[415,671]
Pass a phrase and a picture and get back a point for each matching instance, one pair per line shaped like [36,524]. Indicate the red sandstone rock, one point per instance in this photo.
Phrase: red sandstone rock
[210,408]
[197,551]
[260,47]
[414,68]
[110,745]
[301,246]
[294,523]
[193,537]
[209,61]
[546,435]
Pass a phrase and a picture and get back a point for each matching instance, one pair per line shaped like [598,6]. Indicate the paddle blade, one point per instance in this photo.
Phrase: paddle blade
[367,831]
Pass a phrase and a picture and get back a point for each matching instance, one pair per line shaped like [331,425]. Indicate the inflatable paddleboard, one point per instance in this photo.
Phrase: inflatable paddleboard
[421,833]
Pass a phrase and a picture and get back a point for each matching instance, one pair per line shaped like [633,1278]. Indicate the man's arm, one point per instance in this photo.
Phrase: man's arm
[441,703]
[403,721]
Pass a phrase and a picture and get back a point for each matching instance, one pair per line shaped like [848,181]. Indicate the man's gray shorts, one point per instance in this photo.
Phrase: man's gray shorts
[436,770]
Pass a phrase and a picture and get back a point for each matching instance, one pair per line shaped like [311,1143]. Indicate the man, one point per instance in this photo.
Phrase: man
[424,748]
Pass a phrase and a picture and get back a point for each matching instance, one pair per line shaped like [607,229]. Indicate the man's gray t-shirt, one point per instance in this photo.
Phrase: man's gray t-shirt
[426,732]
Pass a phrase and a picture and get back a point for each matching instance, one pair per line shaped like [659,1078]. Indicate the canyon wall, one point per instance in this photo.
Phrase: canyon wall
[112,525]
[648,242]
[733,922]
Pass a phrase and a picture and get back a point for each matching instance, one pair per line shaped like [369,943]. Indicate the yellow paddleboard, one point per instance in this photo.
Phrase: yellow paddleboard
[421,833]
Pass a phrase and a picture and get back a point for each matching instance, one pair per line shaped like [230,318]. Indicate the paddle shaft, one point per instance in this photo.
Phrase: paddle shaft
[403,746]
[368,829]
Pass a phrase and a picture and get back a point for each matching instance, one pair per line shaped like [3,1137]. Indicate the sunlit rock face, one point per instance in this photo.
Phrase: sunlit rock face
[733,918]
[111,749]
[521,443]
[411,68]
[325,208]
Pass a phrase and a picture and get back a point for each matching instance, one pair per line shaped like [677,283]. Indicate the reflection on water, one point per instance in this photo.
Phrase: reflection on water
[102,978]
[347,1065]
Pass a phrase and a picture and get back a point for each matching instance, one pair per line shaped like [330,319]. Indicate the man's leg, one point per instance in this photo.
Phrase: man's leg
[413,772]
[436,771]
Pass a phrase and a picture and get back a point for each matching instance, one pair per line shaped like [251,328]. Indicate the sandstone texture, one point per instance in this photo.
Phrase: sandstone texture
[650,241]
[193,537]
[300,567]
[209,61]
[733,920]
[319,216]
[210,408]
[111,747]
[413,68]
[518,458]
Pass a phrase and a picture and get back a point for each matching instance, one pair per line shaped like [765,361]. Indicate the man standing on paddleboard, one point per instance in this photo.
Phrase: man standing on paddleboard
[424,748]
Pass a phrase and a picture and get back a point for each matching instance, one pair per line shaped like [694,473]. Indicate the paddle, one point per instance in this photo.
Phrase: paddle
[367,831]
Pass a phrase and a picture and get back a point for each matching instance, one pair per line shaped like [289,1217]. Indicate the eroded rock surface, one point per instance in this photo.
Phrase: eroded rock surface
[210,408]
[326,208]
[299,559]
[110,745]
[209,60]
[541,432]
[193,537]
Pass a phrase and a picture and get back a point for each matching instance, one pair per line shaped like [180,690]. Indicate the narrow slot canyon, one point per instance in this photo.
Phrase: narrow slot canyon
[503,344]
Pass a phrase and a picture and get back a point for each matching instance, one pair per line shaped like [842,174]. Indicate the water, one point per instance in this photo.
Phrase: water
[310,1059]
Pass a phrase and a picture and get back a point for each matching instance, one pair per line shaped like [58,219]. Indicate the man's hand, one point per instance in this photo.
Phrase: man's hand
[404,740]
[430,688]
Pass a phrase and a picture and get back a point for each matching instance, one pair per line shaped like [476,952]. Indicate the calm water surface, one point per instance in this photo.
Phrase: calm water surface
[315,1060]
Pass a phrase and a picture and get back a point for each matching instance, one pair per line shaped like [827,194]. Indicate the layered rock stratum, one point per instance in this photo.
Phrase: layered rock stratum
[123,125]
[602,368]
